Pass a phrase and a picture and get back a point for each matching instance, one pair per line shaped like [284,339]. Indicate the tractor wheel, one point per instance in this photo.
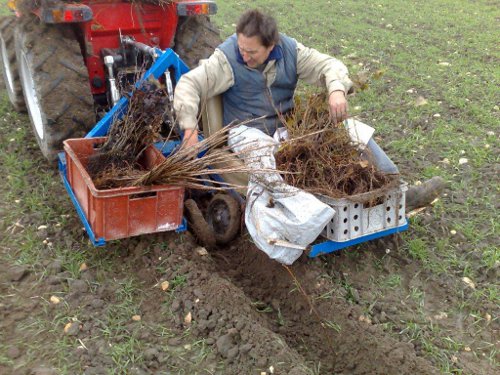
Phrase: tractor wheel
[224,216]
[198,225]
[195,39]
[9,64]
[55,83]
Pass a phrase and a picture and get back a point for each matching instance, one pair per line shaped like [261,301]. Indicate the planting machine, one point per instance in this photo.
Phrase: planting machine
[64,63]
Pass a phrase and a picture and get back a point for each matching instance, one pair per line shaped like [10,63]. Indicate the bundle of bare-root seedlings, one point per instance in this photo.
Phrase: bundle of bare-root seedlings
[128,138]
[322,159]
[117,162]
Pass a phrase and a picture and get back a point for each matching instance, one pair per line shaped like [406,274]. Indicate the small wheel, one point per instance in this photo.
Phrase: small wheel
[198,225]
[224,216]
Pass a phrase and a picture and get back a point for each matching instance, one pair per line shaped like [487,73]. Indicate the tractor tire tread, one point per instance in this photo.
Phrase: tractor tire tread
[15,92]
[196,38]
[61,81]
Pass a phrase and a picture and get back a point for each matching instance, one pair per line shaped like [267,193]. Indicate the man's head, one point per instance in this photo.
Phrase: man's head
[257,35]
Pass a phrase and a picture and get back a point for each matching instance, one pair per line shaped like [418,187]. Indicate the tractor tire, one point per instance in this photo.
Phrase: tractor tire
[9,63]
[196,38]
[55,83]
[224,217]
[198,225]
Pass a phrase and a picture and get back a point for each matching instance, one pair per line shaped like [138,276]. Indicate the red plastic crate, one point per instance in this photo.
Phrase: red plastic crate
[122,212]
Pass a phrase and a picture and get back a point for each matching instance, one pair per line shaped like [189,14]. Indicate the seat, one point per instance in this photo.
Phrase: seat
[212,120]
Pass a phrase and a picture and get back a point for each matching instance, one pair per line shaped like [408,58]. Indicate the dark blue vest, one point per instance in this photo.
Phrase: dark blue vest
[250,97]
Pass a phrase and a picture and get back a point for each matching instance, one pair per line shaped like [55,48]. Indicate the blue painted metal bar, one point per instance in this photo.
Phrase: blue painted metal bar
[331,246]
[165,60]
[183,227]
[79,210]
[166,148]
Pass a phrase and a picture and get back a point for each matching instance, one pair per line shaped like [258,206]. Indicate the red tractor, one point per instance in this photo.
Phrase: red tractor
[63,62]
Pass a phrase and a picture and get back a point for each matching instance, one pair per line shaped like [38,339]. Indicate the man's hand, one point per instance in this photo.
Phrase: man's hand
[190,137]
[338,106]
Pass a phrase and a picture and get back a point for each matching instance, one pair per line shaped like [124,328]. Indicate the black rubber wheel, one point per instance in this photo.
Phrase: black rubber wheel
[198,225]
[195,39]
[55,83]
[224,216]
[9,63]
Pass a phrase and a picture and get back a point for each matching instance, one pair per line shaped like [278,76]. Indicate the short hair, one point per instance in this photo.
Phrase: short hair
[255,23]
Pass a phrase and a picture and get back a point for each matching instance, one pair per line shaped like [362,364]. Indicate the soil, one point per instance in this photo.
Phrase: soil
[325,315]
[247,308]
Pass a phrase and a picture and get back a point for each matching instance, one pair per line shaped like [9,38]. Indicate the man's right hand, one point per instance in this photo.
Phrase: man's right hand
[338,106]
[190,137]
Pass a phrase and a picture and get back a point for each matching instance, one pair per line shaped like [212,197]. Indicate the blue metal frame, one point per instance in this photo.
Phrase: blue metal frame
[166,59]
[331,246]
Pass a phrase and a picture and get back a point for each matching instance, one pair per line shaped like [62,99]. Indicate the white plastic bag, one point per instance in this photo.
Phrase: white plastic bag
[281,219]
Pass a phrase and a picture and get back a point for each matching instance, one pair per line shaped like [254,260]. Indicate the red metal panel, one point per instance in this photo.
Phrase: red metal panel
[149,24]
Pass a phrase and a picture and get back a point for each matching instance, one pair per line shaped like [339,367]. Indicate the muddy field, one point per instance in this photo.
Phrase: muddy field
[423,302]
[78,309]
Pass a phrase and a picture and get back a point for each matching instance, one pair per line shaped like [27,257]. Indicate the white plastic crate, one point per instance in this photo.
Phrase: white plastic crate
[353,220]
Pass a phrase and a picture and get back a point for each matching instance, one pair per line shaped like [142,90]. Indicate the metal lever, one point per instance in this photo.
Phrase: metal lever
[115,93]
[144,48]
[170,86]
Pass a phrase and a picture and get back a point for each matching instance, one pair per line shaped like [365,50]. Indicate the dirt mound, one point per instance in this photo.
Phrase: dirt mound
[250,309]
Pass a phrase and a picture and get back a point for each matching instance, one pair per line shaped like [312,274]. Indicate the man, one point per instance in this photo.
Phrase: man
[256,70]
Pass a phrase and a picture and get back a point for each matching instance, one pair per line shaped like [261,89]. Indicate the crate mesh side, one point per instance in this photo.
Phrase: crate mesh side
[353,220]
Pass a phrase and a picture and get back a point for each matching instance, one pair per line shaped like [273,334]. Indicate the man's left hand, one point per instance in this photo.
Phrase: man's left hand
[338,106]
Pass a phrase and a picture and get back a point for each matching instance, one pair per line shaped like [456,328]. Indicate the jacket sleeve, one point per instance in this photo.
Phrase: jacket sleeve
[212,77]
[318,68]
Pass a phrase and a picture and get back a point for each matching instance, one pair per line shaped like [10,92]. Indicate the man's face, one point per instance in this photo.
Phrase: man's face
[252,51]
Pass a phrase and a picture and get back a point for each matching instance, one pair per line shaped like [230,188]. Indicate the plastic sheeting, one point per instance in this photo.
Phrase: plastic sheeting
[281,219]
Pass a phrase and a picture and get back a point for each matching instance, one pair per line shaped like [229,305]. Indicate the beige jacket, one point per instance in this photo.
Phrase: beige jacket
[215,76]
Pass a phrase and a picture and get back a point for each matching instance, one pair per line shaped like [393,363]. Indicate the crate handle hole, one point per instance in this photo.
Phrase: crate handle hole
[143,195]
